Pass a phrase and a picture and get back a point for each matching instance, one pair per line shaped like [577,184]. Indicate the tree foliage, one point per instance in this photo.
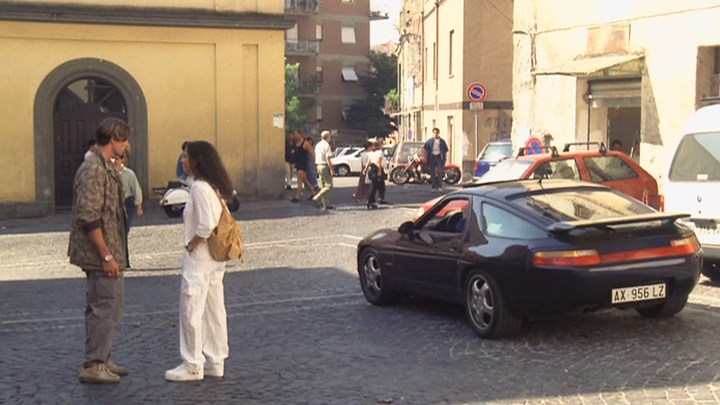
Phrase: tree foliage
[368,114]
[295,116]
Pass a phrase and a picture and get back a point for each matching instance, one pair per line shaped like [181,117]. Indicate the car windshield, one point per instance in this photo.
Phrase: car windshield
[581,204]
[507,170]
[496,151]
[697,158]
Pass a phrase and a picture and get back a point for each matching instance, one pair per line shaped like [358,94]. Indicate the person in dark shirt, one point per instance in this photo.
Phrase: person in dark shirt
[290,149]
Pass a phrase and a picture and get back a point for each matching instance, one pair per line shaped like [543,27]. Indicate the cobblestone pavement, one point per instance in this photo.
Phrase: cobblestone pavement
[301,331]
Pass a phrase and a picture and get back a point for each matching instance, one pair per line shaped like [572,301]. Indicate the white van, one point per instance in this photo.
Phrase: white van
[692,184]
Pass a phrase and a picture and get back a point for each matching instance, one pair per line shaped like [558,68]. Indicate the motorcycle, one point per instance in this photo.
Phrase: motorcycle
[418,171]
[176,194]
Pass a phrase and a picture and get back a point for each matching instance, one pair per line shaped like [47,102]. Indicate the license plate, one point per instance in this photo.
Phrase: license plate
[639,293]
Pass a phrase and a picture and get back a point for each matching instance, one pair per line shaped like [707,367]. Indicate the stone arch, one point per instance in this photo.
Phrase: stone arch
[47,93]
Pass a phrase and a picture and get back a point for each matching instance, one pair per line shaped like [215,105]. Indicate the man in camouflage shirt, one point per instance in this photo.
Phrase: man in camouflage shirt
[98,245]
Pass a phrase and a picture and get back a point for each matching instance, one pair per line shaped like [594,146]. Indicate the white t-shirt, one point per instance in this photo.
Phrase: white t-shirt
[202,211]
[322,152]
[375,157]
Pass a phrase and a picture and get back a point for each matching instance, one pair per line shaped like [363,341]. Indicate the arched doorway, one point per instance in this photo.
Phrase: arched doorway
[69,103]
[79,107]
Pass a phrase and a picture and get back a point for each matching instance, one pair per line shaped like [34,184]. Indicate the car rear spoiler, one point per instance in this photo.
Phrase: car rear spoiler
[567,226]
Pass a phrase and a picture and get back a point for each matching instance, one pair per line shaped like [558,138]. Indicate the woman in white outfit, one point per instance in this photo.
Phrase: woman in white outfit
[203,319]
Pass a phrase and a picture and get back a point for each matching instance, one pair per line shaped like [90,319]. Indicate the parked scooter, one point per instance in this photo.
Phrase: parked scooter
[176,195]
[418,171]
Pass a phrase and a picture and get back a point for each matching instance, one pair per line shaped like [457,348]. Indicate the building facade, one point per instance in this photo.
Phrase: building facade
[191,70]
[634,71]
[445,47]
[330,41]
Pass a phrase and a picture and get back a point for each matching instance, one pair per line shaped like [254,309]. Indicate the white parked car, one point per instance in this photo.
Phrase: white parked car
[347,164]
[693,182]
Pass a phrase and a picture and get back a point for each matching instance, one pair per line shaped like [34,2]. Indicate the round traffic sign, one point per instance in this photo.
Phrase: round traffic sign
[533,146]
[476,92]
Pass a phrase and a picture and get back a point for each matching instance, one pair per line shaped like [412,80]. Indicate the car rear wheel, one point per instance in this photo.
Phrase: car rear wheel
[372,280]
[342,170]
[399,175]
[669,307]
[486,309]
[711,270]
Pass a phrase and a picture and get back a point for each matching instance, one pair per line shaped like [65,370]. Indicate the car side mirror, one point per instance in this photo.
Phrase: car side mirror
[406,228]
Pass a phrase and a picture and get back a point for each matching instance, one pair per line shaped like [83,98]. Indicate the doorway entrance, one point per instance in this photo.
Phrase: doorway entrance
[624,126]
[79,108]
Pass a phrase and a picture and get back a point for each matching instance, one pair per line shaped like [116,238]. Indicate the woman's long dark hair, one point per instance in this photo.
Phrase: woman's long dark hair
[207,165]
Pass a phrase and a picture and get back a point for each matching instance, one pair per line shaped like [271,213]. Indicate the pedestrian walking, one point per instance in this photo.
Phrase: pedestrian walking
[436,152]
[375,171]
[301,165]
[363,186]
[323,162]
[98,245]
[312,173]
[132,193]
[179,167]
[203,318]
[290,149]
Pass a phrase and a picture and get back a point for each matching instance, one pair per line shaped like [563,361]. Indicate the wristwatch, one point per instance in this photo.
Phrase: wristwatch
[108,258]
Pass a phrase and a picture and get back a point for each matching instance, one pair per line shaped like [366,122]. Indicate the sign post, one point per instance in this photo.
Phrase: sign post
[476,93]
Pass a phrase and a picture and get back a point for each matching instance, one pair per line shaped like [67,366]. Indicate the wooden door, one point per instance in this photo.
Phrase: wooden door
[79,108]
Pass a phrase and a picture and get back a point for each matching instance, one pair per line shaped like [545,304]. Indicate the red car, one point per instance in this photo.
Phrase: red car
[613,169]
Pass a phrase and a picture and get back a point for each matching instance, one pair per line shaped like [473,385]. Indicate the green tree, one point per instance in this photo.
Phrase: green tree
[295,116]
[381,78]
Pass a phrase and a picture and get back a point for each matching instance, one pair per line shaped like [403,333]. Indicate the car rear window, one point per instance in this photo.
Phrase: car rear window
[507,170]
[697,158]
[608,168]
[580,204]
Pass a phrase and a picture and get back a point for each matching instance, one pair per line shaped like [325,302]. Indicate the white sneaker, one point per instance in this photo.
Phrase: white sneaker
[184,373]
[214,369]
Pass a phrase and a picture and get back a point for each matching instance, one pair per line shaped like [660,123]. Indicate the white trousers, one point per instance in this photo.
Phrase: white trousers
[203,319]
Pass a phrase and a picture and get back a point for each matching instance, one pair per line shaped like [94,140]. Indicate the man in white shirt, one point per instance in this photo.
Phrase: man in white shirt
[323,153]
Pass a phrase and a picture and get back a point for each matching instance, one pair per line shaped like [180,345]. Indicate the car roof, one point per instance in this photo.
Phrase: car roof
[504,189]
[567,155]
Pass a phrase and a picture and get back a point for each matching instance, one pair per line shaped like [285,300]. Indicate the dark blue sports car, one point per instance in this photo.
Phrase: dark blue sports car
[528,248]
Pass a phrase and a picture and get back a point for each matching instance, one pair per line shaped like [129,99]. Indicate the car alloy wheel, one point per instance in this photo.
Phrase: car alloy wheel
[342,170]
[486,309]
[371,280]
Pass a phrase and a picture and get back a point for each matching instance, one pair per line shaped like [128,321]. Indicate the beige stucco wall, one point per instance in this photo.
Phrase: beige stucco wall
[668,33]
[219,85]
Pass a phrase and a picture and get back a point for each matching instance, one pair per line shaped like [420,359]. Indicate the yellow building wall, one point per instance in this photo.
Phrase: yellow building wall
[219,85]
[237,6]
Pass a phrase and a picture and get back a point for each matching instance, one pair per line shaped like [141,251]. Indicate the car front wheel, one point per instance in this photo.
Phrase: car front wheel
[711,270]
[486,309]
[372,280]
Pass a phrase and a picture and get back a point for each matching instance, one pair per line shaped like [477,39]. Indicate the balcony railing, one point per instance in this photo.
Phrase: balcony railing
[308,87]
[297,47]
[302,6]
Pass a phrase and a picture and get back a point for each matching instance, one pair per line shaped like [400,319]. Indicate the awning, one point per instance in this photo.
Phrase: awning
[615,65]
[349,74]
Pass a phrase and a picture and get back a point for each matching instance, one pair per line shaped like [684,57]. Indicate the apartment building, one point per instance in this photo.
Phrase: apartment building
[446,47]
[192,70]
[633,70]
[330,40]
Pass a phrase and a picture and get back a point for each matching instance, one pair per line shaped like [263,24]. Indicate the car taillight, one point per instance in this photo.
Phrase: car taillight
[567,258]
[477,165]
[679,247]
